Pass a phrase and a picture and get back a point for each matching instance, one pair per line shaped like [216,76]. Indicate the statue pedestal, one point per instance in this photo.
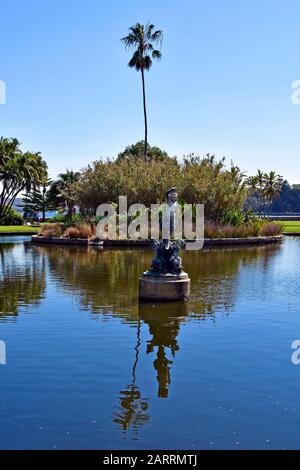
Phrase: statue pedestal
[164,287]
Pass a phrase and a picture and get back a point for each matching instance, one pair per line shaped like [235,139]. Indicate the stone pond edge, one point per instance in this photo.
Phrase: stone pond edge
[145,243]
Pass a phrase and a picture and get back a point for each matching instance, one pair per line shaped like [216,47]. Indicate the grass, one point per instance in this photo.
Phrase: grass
[290,226]
[17,228]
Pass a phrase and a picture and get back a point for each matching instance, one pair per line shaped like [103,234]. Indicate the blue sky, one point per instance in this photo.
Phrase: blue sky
[223,85]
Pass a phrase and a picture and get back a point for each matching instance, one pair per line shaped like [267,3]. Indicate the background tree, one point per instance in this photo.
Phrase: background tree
[61,191]
[19,171]
[137,151]
[198,180]
[38,199]
[143,38]
[272,186]
[289,199]
[264,189]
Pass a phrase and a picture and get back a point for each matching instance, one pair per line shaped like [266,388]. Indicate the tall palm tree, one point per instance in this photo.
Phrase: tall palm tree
[143,38]
[260,175]
[254,195]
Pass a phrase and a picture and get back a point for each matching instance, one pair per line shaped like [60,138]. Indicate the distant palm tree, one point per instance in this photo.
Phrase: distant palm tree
[260,175]
[252,182]
[272,186]
[252,185]
[143,38]
[61,193]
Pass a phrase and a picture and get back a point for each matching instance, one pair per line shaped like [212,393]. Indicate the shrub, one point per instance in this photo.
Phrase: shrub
[74,220]
[198,180]
[67,220]
[237,217]
[72,232]
[217,230]
[52,230]
[270,229]
[59,218]
[12,218]
[81,231]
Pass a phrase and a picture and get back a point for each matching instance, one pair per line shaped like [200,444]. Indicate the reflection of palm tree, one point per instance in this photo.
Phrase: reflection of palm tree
[133,407]
[162,366]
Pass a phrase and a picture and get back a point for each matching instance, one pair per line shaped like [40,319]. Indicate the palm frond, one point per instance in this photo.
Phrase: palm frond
[142,38]
[147,62]
[156,54]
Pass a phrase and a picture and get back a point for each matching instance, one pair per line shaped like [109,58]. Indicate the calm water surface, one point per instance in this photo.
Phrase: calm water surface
[90,368]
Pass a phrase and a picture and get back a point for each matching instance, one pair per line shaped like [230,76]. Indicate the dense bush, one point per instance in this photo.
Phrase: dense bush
[217,230]
[271,229]
[59,218]
[13,217]
[198,180]
[67,220]
[80,231]
[254,228]
[237,217]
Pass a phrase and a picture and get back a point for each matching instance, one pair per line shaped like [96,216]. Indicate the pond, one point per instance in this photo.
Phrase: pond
[87,367]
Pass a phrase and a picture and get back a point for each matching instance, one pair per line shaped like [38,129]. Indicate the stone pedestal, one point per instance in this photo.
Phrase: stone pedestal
[164,287]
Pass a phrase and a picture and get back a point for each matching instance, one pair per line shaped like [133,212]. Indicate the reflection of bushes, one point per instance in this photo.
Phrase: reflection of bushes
[214,274]
[22,278]
[106,281]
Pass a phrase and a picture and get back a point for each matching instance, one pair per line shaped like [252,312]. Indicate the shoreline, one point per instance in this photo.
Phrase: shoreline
[146,243]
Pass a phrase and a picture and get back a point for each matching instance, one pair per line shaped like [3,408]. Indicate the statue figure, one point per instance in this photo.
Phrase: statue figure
[167,259]
[166,281]
[168,217]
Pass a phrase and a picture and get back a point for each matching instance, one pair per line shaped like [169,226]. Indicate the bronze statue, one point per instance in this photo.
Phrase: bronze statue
[167,259]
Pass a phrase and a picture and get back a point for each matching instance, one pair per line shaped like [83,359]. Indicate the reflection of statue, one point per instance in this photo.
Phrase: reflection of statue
[164,323]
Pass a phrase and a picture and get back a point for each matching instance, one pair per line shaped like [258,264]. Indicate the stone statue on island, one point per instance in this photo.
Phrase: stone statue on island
[166,280]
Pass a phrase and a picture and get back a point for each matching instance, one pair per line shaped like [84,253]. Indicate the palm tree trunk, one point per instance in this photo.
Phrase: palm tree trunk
[145,117]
